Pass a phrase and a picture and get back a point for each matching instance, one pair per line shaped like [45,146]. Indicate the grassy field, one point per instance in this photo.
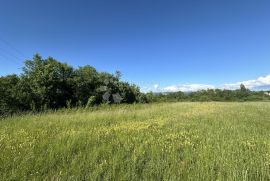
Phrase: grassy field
[167,141]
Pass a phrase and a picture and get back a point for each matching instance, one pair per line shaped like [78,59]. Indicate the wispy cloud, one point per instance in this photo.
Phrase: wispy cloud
[261,83]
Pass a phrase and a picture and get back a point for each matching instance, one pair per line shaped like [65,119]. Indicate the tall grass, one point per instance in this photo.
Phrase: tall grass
[167,141]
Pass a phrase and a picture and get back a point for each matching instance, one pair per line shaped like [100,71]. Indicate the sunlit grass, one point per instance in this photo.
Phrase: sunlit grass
[168,141]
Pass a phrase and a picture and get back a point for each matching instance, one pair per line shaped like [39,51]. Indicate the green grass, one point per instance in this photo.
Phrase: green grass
[167,141]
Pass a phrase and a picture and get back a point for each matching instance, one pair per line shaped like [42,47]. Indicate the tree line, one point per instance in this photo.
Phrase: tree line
[241,94]
[49,84]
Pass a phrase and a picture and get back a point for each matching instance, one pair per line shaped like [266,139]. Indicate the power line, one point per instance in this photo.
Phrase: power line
[11,51]
[12,47]
[9,55]
[8,59]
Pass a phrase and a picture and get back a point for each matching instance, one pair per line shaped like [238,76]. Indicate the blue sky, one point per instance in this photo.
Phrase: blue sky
[159,45]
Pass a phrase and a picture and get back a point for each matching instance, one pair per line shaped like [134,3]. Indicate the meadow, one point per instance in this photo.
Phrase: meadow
[162,141]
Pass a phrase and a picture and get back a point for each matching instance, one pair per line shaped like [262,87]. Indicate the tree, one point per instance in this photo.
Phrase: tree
[49,82]
[118,74]
[8,94]
[243,88]
[242,93]
[85,83]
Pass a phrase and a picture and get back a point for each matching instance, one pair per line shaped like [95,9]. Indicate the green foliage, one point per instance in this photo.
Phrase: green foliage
[9,102]
[241,94]
[50,84]
[85,83]
[91,101]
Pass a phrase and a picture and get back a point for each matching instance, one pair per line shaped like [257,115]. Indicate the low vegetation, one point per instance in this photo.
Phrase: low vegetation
[163,141]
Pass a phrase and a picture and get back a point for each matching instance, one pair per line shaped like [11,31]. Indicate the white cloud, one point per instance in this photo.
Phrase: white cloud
[260,83]
[156,86]
[250,84]
[187,87]
[153,88]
